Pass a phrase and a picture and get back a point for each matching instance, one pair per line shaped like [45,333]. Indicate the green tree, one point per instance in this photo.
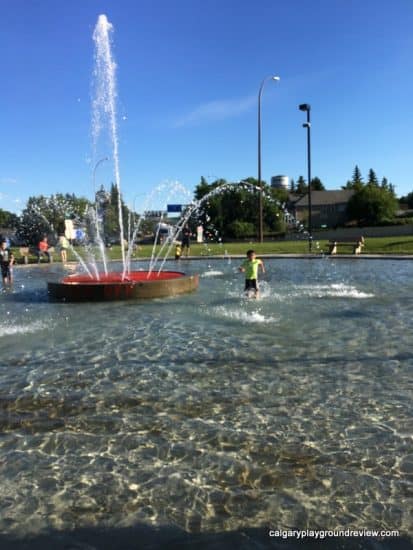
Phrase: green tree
[8,220]
[111,226]
[301,186]
[279,195]
[372,205]
[46,215]
[240,229]
[407,200]
[232,209]
[202,188]
[35,220]
[317,184]
[385,184]
[372,178]
[210,215]
[356,181]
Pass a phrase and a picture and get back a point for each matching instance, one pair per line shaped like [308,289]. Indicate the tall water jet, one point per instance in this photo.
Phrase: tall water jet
[127,284]
[104,115]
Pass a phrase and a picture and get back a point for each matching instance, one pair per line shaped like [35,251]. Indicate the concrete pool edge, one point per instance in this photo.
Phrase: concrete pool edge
[340,257]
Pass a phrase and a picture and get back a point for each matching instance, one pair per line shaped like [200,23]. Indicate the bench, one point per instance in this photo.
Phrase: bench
[25,252]
[356,245]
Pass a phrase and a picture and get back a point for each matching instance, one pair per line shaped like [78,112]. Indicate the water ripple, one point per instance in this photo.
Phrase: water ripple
[210,412]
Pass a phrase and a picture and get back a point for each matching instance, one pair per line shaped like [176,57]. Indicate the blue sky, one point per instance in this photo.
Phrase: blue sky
[188,78]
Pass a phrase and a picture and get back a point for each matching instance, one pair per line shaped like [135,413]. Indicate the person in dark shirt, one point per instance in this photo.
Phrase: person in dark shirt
[186,240]
[6,263]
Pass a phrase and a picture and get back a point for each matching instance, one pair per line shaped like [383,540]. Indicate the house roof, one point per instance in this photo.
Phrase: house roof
[319,198]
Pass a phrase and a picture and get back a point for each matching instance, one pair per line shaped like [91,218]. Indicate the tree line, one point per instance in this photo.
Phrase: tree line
[231,210]
[301,188]
[373,202]
[234,213]
[46,216]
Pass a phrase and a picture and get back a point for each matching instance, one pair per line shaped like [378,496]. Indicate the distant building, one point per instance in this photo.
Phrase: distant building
[280,182]
[154,214]
[329,208]
[170,214]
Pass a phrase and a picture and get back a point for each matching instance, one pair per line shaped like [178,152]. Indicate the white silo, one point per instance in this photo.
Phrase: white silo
[280,182]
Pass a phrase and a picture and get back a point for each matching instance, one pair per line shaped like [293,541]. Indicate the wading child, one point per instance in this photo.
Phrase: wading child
[250,268]
[186,240]
[6,263]
[63,245]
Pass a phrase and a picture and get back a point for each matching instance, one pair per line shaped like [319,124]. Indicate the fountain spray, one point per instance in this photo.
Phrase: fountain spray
[104,105]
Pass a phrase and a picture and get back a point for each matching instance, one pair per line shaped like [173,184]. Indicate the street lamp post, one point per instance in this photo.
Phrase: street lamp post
[307,108]
[261,205]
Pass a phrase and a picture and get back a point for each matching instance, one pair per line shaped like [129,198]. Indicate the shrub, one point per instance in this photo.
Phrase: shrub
[239,229]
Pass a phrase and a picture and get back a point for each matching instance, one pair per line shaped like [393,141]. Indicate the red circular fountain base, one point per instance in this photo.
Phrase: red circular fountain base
[113,286]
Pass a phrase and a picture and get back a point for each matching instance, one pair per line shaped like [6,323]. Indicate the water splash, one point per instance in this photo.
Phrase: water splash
[212,273]
[104,114]
[197,205]
[15,328]
[242,316]
[334,290]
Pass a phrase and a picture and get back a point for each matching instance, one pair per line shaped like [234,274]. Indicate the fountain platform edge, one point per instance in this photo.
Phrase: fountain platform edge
[135,285]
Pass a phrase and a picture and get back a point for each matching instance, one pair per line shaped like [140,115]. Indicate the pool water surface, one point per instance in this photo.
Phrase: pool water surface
[208,411]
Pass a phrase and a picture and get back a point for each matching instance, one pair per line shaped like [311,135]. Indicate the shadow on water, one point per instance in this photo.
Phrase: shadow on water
[172,538]
[348,314]
[26,296]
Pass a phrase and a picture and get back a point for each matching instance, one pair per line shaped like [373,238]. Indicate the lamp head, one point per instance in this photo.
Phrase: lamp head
[306,125]
[305,107]
[276,78]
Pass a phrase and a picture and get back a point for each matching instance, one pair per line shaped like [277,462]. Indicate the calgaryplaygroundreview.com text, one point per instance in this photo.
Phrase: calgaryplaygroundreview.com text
[322,534]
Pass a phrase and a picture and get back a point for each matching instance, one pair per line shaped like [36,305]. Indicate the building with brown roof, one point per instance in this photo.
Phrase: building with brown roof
[329,208]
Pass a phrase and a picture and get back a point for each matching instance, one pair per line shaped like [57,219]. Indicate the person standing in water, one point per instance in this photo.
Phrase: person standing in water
[186,240]
[250,268]
[6,264]
[63,245]
[178,251]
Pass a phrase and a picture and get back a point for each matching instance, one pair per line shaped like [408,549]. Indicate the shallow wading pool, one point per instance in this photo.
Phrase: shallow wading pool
[209,412]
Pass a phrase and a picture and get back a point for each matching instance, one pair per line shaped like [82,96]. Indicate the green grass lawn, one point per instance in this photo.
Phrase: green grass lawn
[389,245]
[376,245]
